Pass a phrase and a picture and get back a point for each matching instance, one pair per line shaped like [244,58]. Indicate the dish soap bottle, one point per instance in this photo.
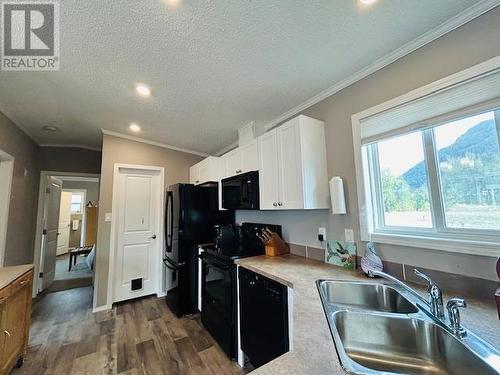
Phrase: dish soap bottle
[371,261]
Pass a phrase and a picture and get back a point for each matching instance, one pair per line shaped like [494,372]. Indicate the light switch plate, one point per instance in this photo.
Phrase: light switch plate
[349,235]
[107,217]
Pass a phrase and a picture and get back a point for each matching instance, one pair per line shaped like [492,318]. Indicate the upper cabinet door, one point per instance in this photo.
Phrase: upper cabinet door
[268,171]
[194,174]
[232,162]
[249,157]
[204,174]
[290,166]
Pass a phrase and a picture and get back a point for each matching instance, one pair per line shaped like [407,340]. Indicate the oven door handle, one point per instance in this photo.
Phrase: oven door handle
[213,261]
[171,264]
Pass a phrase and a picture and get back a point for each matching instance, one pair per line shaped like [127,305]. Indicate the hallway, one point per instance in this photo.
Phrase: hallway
[138,337]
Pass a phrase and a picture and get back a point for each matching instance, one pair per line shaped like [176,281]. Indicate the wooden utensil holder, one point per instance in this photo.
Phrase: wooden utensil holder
[275,250]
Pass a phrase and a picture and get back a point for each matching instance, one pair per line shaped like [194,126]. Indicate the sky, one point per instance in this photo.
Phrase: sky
[401,153]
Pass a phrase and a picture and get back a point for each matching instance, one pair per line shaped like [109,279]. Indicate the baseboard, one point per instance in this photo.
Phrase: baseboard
[101,308]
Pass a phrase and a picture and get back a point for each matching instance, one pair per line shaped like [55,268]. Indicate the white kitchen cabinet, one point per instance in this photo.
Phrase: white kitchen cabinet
[209,169]
[240,160]
[268,170]
[249,157]
[293,173]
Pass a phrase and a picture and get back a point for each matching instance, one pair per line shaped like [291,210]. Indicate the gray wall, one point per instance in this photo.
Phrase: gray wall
[91,187]
[119,150]
[24,192]
[471,44]
[70,159]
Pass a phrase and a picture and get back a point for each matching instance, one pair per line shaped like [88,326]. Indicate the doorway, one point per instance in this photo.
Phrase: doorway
[136,235]
[66,231]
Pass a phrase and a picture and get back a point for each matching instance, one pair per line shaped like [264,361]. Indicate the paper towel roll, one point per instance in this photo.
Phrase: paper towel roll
[337,196]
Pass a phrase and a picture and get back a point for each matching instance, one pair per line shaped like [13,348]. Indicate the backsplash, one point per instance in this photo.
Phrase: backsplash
[448,282]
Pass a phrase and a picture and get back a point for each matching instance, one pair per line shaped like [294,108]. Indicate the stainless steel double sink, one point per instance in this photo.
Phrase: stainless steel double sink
[382,329]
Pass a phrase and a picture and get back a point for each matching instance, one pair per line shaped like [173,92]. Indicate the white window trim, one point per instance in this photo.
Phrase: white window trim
[422,239]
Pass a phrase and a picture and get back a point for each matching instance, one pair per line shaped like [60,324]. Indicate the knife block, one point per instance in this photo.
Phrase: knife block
[276,246]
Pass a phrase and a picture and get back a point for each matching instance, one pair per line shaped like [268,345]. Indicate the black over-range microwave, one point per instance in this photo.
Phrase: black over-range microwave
[241,192]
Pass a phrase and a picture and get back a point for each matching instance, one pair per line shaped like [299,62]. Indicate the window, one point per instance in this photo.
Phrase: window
[405,198]
[428,165]
[76,203]
[469,172]
[443,179]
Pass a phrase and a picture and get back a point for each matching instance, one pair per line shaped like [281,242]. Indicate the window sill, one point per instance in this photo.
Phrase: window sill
[461,246]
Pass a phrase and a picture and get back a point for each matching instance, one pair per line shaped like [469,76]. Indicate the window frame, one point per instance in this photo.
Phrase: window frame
[436,197]
[370,200]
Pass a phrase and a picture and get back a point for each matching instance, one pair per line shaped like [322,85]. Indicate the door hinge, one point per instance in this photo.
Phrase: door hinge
[40,275]
[44,232]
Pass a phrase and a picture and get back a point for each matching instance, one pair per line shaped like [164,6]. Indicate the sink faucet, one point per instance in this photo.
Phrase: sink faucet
[435,295]
[454,315]
[435,302]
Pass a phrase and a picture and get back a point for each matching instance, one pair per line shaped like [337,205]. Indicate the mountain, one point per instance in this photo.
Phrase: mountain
[481,139]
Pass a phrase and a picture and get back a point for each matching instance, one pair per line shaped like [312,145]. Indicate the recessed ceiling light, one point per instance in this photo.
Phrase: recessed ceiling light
[367,2]
[171,2]
[50,128]
[143,90]
[133,126]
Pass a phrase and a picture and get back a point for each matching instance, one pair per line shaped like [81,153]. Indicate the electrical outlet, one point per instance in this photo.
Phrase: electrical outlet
[321,234]
[107,217]
[349,235]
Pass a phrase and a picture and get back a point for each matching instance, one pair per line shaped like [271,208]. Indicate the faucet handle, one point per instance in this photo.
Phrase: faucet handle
[435,294]
[424,276]
[454,315]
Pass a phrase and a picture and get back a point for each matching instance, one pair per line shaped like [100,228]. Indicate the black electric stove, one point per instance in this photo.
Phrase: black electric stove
[219,276]
[243,243]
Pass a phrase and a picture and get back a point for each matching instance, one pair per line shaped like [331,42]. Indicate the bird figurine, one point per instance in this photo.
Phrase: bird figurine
[371,261]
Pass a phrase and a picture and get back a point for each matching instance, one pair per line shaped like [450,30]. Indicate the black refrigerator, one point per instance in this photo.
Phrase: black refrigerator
[190,216]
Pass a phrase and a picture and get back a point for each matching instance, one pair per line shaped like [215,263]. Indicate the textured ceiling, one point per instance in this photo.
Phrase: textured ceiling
[214,65]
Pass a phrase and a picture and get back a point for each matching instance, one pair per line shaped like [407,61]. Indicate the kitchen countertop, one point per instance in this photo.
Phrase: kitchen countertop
[313,349]
[9,274]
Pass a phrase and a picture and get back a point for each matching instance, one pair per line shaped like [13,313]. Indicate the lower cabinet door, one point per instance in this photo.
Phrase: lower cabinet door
[14,326]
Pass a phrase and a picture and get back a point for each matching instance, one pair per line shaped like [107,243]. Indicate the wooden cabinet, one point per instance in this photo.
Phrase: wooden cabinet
[209,169]
[15,314]
[240,160]
[293,173]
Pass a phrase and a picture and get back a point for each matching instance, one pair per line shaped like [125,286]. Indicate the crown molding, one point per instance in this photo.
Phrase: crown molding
[226,149]
[60,145]
[453,23]
[152,143]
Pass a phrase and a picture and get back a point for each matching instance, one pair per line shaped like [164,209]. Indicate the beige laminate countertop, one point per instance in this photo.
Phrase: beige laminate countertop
[313,349]
[9,274]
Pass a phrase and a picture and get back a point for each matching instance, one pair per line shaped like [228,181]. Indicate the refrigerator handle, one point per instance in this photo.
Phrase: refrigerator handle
[169,226]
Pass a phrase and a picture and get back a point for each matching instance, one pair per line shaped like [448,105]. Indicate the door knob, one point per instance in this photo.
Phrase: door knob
[153,236]
[275,204]
[6,333]
[280,204]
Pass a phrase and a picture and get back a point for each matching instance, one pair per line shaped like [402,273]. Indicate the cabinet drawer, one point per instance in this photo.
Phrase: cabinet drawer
[17,284]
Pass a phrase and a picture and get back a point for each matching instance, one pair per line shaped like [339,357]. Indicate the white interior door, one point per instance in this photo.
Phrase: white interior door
[49,250]
[138,213]
[64,223]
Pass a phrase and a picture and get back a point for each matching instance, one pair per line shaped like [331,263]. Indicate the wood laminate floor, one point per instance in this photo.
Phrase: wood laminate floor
[138,337]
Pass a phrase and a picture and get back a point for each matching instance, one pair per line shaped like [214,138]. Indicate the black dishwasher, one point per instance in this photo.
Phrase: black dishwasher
[263,317]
